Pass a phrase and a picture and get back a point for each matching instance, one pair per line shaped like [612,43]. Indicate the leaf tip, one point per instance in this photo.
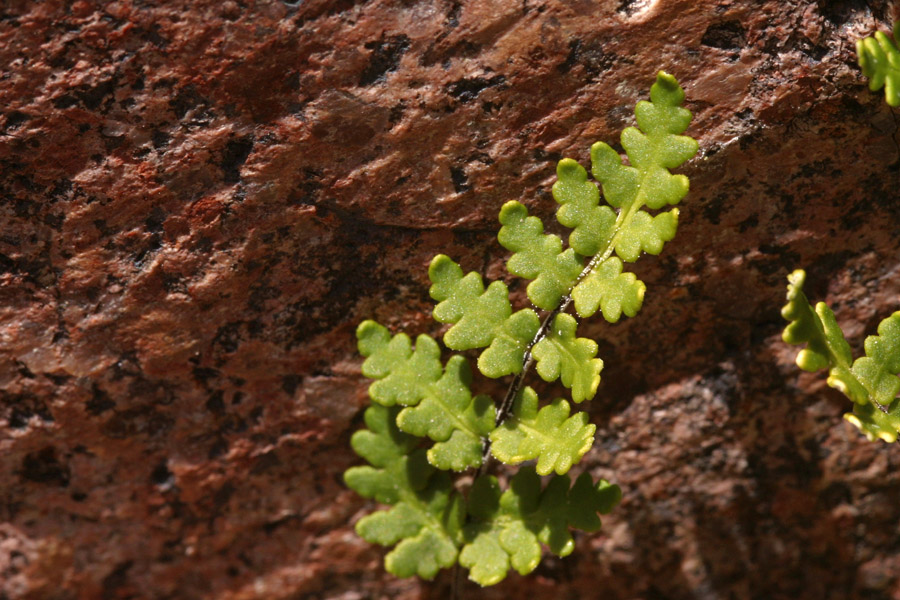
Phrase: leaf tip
[666,90]
[371,336]
[611,496]
[443,273]
[512,211]
[569,168]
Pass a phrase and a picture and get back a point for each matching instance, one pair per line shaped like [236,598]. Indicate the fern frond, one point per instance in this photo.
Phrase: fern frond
[440,405]
[506,530]
[417,396]
[878,369]
[870,381]
[537,256]
[426,519]
[481,318]
[561,355]
[879,59]
[550,435]
[652,149]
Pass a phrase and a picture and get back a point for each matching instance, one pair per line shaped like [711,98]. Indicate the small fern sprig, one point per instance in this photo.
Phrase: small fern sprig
[870,381]
[879,58]
[417,398]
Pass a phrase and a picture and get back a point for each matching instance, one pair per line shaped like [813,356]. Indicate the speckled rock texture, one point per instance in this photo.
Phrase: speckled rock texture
[200,200]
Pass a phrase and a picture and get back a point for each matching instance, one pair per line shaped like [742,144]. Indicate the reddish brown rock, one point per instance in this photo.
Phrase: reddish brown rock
[200,200]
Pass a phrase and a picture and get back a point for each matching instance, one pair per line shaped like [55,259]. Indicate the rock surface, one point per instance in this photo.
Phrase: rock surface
[200,200]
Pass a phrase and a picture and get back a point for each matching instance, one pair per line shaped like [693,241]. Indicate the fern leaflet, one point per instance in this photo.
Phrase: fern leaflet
[481,318]
[610,290]
[550,435]
[560,355]
[536,256]
[443,408]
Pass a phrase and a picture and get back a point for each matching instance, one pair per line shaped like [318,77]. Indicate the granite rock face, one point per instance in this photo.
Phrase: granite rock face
[200,200]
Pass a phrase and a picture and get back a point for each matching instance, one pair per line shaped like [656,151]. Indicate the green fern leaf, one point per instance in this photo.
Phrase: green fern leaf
[404,375]
[579,199]
[871,381]
[610,290]
[550,435]
[426,519]
[481,318]
[430,525]
[452,418]
[644,233]
[561,355]
[537,256]
[381,445]
[879,59]
[652,150]
[507,530]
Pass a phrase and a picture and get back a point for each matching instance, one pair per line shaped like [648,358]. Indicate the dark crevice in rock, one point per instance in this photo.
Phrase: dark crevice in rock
[590,56]
[840,12]
[188,100]
[270,527]
[100,402]
[14,119]
[466,90]
[216,403]
[385,58]
[290,383]
[154,221]
[161,475]
[93,96]
[234,156]
[117,579]
[203,374]
[22,408]
[44,467]
[460,181]
[729,35]
[160,139]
